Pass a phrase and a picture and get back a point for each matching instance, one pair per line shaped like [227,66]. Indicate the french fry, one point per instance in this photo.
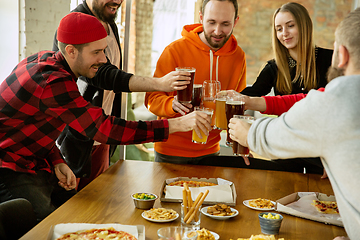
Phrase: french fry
[196,209]
[178,237]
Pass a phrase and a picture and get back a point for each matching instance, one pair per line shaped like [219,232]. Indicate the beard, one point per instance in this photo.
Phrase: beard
[83,69]
[101,13]
[217,45]
[334,72]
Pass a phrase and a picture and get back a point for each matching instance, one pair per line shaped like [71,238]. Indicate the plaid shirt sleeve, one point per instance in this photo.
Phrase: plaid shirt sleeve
[39,98]
[62,100]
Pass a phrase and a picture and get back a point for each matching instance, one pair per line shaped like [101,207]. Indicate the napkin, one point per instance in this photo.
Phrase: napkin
[304,205]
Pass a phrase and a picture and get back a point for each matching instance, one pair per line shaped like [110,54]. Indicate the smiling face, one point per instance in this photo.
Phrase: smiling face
[218,21]
[87,61]
[106,10]
[287,30]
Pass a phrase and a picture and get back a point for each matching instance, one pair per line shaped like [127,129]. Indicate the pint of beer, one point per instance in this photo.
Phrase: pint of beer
[195,137]
[185,95]
[233,106]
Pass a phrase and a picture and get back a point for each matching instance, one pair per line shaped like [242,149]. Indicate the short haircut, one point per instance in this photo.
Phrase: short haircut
[62,47]
[347,34]
[234,2]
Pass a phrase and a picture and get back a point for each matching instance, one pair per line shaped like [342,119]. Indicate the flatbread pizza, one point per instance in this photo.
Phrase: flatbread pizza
[191,183]
[98,233]
[328,207]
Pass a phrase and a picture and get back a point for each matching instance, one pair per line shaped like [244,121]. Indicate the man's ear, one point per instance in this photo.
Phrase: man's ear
[236,20]
[201,17]
[343,56]
[71,51]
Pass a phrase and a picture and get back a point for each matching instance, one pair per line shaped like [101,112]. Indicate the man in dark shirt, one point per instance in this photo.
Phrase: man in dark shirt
[40,97]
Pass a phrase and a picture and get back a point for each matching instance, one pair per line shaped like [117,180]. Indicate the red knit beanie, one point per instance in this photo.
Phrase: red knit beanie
[80,28]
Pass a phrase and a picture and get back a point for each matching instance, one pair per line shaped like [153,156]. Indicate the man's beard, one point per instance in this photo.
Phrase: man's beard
[217,45]
[84,70]
[102,15]
[334,72]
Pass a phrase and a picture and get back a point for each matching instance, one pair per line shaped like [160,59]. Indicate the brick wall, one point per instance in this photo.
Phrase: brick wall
[254,27]
[253,30]
[39,20]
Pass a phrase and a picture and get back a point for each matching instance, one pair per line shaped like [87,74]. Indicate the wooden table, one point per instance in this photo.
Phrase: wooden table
[107,200]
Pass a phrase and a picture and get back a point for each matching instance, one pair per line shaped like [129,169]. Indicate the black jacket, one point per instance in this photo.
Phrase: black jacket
[75,148]
[268,76]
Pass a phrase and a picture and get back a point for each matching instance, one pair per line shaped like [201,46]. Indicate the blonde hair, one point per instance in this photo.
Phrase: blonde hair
[347,34]
[306,67]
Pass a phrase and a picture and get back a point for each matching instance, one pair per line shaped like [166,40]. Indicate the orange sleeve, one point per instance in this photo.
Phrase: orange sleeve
[160,103]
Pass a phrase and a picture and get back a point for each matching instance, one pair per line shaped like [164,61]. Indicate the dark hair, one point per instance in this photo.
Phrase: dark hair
[234,2]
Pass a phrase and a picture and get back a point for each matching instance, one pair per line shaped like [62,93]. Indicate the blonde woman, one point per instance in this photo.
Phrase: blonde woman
[298,65]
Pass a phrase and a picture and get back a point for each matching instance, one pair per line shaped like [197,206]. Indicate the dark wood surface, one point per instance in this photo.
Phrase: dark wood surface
[107,200]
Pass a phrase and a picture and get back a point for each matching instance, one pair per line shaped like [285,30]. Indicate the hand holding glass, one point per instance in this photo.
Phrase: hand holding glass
[234,106]
[238,149]
[185,95]
[195,137]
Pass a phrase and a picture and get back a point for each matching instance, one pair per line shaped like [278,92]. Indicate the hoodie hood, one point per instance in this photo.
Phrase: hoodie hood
[191,33]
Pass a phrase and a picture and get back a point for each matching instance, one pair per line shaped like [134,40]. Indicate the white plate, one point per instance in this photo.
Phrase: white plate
[159,221]
[216,236]
[204,211]
[246,203]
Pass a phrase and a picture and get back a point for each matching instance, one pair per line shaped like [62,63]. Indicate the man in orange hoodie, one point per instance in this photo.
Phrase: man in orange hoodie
[200,43]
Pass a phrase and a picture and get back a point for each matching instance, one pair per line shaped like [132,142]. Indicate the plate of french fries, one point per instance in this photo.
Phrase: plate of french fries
[160,215]
[219,211]
[260,204]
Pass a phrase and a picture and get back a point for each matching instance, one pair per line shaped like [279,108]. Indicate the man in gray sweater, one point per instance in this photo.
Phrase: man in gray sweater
[323,124]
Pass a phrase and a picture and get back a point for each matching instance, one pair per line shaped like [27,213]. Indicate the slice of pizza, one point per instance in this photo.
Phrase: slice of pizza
[98,233]
[191,183]
[328,207]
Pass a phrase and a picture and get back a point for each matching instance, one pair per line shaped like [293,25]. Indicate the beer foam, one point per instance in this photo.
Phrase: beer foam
[235,102]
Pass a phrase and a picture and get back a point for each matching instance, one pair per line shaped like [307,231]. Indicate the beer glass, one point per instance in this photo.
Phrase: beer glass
[185,95]
[195,137]
[196,96]
[220,114]
[210,89]
[234,106]
[238,149]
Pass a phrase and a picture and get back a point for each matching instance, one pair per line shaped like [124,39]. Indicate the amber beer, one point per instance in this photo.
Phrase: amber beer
[238,149]
[185,95]
[233,107]
[210,103]
[195,137]
[220,114]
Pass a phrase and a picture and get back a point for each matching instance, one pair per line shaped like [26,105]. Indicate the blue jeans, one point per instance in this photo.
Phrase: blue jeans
[40,189]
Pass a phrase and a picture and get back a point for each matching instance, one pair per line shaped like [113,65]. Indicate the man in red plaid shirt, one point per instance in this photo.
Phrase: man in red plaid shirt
[40,97]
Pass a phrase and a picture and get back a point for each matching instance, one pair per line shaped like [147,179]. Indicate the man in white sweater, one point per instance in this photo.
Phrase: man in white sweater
[324,124]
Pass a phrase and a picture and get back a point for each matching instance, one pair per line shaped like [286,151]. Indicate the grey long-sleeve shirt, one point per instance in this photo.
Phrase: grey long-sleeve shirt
[327,125]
